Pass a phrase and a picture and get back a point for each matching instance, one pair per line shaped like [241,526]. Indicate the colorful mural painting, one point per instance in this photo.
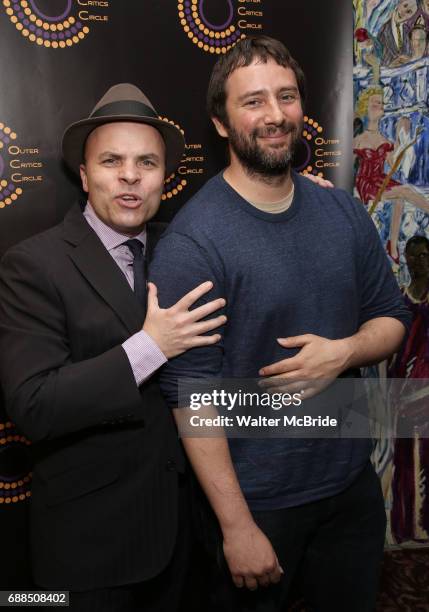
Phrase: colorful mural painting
[391,147]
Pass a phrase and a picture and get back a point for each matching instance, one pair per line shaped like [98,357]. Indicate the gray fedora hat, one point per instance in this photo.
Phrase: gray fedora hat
[123,102]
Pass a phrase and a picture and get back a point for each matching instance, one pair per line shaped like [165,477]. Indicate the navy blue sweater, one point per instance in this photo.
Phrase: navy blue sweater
[317,268]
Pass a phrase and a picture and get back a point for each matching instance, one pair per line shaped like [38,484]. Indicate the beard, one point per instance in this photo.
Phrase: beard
[268,162]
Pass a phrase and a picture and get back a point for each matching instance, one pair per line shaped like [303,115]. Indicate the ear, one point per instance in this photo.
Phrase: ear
[220,128]
[84,178]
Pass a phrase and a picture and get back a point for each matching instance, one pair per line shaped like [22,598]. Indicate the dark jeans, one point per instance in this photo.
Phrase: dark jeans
[332,548]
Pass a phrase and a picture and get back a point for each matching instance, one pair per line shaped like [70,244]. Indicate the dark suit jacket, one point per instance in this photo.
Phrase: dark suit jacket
[104,495]
[387,40]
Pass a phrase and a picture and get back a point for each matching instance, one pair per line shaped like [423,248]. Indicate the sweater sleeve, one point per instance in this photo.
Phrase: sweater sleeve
[379,291]
[179,265]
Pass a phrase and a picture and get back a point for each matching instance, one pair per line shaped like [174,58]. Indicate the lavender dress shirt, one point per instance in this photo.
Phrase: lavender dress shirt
[144,354]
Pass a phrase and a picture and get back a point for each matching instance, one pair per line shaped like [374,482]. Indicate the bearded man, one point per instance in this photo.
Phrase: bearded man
[310,296]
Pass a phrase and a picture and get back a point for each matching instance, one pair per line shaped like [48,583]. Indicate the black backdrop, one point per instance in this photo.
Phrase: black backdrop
[57,57]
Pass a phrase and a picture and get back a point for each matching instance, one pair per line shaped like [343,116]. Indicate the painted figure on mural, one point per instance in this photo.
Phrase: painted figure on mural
[410,482]
[418,44]
[373,150]
[393,35]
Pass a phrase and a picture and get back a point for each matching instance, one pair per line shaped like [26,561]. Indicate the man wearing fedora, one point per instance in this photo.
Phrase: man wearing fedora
[80,345]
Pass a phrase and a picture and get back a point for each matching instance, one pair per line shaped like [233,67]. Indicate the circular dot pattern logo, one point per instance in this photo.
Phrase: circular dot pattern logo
[310,131]
[210,37]
[8,191]
[15,475]
[58,30]
[174,184]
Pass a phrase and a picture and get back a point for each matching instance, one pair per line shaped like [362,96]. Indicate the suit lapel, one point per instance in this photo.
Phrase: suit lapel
[100,270]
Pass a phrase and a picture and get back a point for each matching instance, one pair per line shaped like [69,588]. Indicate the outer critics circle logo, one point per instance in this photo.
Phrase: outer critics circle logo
[19,166]
[59,30]
[210,37]
[191,167]
[174,183]
[310,131]
[8,191]
[15,465]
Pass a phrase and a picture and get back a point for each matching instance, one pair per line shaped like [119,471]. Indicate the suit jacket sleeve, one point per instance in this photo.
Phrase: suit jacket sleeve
[47,394]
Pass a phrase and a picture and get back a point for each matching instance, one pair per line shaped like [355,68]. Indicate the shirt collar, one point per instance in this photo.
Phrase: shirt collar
[108,236]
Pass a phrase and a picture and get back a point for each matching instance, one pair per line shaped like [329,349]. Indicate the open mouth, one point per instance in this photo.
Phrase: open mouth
[128,200]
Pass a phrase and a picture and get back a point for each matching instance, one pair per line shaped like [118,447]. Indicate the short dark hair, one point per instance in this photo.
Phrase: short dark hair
[416,241]
[243,54]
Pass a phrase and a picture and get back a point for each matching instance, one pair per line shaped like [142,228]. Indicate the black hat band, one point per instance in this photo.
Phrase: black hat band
[125,107]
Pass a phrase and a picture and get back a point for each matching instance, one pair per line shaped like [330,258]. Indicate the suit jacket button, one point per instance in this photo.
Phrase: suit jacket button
[170,465]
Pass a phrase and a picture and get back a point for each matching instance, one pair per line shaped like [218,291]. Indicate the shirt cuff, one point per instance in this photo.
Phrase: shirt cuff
[144,355]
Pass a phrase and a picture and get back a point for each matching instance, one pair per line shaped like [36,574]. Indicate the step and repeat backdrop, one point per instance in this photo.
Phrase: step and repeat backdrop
[57,57]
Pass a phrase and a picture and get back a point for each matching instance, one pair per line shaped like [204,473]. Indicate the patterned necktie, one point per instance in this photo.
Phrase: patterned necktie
[137,250]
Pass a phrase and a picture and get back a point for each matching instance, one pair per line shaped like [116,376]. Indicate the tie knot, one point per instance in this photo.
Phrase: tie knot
[135,246]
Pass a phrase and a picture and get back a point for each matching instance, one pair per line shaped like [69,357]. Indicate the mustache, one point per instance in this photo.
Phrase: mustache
[274,130]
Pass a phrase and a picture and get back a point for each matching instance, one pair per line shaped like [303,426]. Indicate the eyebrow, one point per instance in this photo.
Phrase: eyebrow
[260,92]
[120,156]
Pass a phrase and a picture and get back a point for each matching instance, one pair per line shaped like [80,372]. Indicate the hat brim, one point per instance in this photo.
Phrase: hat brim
[74,138]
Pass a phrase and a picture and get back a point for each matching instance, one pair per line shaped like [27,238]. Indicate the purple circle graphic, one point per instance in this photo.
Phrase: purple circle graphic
[50,18]
[1,165]
[308,156]
[211,25]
